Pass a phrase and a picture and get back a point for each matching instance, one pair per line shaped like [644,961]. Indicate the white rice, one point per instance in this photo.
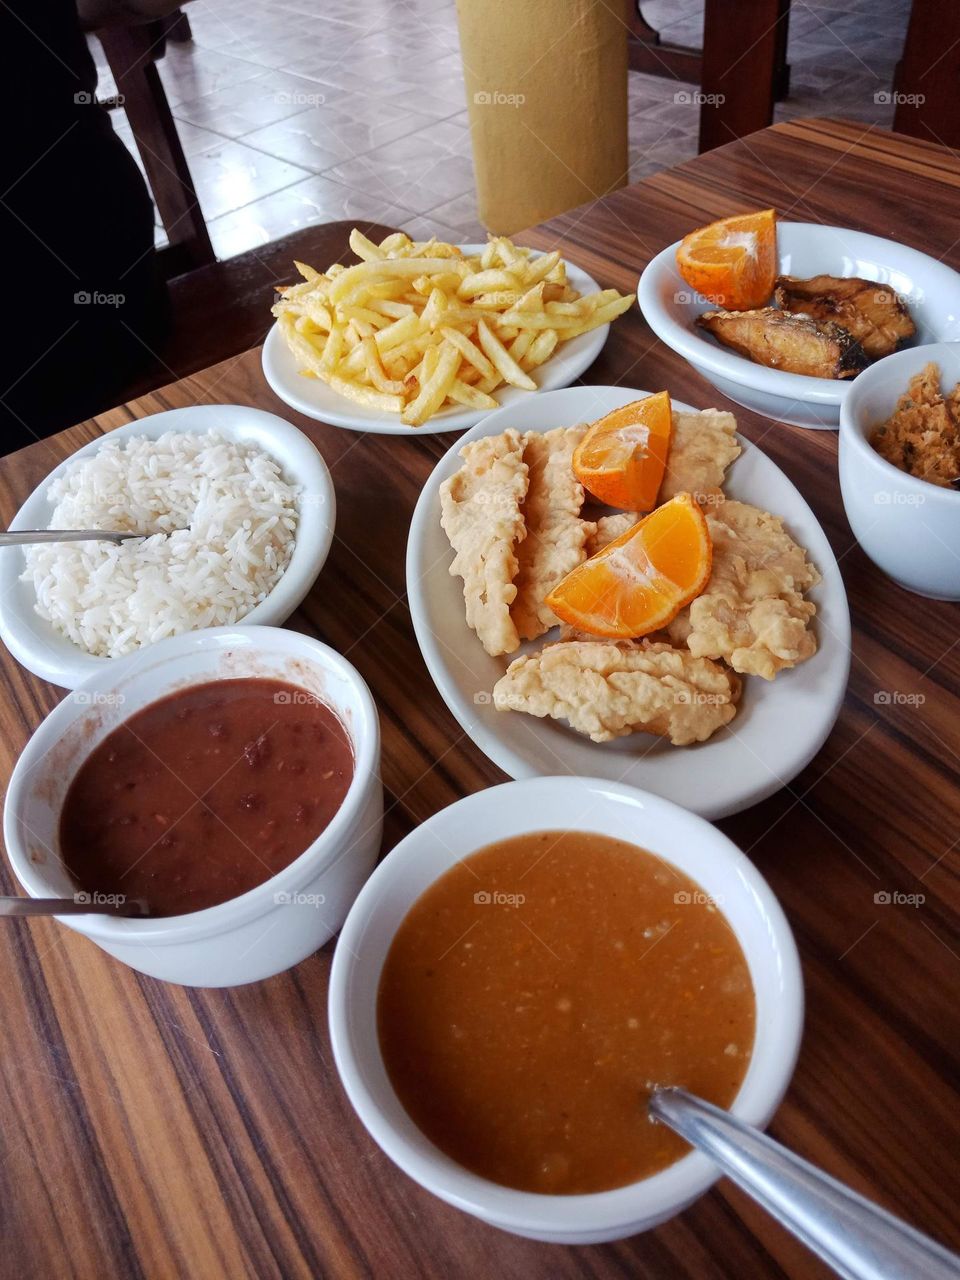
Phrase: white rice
[223,523]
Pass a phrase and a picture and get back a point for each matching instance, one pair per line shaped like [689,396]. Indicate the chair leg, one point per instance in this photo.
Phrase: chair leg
[740,63]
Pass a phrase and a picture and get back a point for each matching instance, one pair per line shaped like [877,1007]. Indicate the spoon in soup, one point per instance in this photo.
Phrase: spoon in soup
[857,1238]
[80,904]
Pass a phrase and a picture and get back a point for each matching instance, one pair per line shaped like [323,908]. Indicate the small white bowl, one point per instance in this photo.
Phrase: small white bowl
[908,527]
[34,642]
[578,804]
[670,307]
[273,926]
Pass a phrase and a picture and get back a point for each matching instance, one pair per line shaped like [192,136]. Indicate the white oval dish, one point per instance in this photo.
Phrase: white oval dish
[578,804]
[274,925]
[780,726]
[931,289]
[909,528]
[316,400]
[34,642]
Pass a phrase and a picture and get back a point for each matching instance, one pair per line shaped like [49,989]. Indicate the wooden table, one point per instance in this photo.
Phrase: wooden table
[159,1132]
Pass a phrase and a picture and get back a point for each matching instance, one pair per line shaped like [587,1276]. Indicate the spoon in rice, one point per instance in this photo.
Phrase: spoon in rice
[23,537]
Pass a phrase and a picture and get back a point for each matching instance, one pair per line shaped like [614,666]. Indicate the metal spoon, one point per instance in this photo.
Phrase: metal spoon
[72,907]
[857,1238]
[22,537]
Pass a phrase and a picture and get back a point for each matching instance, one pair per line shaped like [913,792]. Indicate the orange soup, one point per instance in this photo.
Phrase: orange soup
[539,989]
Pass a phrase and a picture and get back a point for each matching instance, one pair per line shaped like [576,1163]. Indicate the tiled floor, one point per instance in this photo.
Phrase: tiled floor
[292,112]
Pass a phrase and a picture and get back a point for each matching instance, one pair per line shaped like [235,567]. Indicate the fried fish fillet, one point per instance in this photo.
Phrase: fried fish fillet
[702,446]
[480,514]
[788,342]
[606,528]
[872,313]
[607,689]
[753,613]
[556,536]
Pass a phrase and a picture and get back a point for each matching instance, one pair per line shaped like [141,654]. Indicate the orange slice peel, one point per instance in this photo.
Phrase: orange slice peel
[622,458]
[733,262]
[639,582]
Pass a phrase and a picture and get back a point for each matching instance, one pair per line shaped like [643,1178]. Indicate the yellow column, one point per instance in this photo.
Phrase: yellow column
[547,95]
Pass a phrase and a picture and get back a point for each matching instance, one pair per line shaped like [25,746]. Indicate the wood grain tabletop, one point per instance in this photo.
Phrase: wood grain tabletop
[155,1131]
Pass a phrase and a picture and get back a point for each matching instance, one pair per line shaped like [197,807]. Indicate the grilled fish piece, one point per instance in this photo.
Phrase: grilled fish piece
[874,314]
[791,343]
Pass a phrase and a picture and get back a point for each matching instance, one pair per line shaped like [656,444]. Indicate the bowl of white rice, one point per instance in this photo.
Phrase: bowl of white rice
[236,508]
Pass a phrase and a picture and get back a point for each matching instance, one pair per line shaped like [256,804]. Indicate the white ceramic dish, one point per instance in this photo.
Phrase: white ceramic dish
[909,528]
[931,288]
[579,804]
[780,726]
[315,399]
[37,646]
[278,923]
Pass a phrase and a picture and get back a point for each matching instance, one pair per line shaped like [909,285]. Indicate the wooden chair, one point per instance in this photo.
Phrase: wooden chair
[741,70]
[217,309]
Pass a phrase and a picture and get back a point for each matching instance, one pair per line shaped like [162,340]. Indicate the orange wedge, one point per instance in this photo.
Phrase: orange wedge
[733,262]
[622,458]
[640,581]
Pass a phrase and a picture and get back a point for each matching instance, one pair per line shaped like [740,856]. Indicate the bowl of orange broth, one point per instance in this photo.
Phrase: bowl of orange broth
[525,967]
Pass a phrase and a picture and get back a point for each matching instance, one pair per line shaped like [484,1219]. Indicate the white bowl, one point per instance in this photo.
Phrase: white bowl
[34,642]
[274,925]
[315,399]
[586,804]
[908,527]
[670,307]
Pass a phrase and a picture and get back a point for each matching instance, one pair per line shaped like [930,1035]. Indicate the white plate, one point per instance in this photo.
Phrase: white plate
[780,725]
[670,307]
[315,399]
[42,650]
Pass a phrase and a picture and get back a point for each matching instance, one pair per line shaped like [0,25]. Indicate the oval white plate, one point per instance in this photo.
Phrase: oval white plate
[781,724]
[42,650]
[314,398]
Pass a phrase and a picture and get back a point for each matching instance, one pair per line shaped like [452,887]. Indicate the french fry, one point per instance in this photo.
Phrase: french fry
[365,248]
[469,350]
[434,388]
[502,360]
[418,324]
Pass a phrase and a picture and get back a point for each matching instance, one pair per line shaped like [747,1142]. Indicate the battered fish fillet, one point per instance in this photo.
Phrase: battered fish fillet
[606,528]
[702,446]
[752,613]
[607,689]
[556,536]
[480,514]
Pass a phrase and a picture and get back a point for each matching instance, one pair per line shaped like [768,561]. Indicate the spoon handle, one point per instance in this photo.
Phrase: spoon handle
[23,537]
[71,907]
[858,1239]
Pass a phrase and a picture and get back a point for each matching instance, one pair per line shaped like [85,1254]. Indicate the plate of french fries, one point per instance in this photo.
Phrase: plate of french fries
[425,336]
